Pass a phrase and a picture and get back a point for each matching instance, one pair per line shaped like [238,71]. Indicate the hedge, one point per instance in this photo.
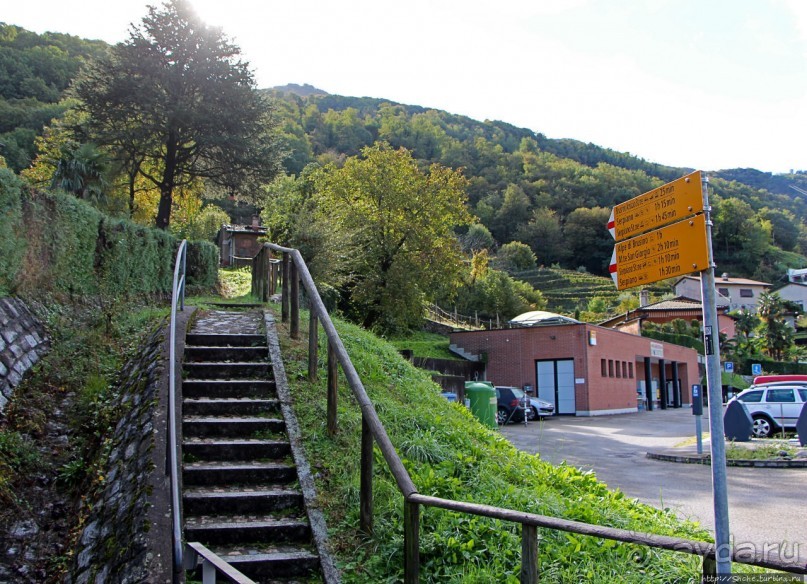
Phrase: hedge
[54,242]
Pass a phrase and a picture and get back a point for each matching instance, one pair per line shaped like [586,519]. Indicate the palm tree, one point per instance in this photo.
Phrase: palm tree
[81,170]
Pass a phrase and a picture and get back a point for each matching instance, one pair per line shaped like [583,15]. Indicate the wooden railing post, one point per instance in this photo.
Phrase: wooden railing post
[529,554]
[313,345]
[284,294]
[272,278]
[294,297]
[333,379]
[709,569]
[411,543]
[366,480]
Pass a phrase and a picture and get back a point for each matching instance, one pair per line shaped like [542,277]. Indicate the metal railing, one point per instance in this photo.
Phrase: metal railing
[294,269]
[212,565]
[177,295]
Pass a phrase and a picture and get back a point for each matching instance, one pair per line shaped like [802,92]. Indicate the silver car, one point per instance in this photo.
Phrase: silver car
[773,407]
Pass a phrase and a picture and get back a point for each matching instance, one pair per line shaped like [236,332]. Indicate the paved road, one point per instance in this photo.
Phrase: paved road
[766,506]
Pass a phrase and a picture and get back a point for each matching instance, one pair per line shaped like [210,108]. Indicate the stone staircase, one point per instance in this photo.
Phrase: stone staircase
[241,495]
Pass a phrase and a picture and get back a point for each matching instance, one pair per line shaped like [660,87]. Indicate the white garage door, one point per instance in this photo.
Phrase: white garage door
[556,384]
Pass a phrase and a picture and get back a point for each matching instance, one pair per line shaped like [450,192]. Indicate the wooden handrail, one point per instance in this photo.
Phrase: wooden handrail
[530,522]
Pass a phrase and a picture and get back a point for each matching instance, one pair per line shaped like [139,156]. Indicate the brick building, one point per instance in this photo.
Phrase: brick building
[584,369]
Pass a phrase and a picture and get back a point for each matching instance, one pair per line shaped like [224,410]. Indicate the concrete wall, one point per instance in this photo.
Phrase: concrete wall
[22,344]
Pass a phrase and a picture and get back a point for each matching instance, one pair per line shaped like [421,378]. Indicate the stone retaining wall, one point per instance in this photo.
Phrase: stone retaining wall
[22,344]
[127,534]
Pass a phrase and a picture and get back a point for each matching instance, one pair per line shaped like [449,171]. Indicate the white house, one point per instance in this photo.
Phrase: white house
[733,293]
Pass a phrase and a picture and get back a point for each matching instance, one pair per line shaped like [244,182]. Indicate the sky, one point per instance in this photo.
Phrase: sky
[704,84]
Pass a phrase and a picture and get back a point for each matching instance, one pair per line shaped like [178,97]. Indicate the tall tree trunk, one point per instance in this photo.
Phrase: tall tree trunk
[167,184]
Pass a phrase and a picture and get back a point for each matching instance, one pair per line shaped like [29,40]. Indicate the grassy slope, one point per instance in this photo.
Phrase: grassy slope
[450,455]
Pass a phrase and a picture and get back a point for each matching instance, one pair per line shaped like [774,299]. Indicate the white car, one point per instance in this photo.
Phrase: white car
[773,407]
[539,409]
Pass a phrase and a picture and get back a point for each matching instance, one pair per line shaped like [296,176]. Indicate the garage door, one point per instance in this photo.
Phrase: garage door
[556,384]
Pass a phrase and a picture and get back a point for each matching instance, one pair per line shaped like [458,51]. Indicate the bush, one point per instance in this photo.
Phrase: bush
[69,247]
[202,264]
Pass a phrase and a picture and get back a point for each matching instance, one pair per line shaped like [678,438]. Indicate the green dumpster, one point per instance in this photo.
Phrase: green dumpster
[482,400]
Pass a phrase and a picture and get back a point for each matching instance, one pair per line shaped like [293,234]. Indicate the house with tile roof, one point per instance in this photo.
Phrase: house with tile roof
[732,293]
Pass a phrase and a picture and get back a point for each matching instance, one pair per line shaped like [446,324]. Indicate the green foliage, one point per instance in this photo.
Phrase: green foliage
[515,257]
[35,71]
[449,454]
[496,295]
[777,335]
[207,223]
[398,222]
[67,247]
[677,332]
[424,344]
[13,240]
[203,264]
[176,97]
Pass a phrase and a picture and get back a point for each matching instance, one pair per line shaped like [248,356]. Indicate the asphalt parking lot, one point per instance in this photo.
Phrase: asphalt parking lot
[767,506]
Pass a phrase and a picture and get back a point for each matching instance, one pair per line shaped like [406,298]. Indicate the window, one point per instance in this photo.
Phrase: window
[803,394]
[752,397]
[723,292]
[610,367]
[618,369]
[746,293]
[603,368]
[630,372]
[781,395]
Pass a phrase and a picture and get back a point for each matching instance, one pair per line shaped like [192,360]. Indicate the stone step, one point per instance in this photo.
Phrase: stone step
[218,530]
[222,388]
[270,563]
[238,472]
[225,340]
[225,370]
[232,427]
[239,354]
[234,449]
[239,500]
[229,406]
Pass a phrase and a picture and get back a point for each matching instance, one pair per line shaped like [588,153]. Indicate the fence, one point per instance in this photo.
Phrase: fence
[293,270]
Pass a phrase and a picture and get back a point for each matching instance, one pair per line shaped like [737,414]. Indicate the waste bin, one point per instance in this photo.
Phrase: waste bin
[482,398]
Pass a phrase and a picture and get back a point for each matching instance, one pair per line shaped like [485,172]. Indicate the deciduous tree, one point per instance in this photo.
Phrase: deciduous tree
[400,224]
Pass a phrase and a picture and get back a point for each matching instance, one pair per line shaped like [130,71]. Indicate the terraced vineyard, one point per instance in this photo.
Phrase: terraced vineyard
[568,290]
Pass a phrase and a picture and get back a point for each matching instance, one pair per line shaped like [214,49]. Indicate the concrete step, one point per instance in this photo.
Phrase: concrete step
[232,427]
[239,354]
[223,388]
[224,340]
[270,563]
[229,406]
[225,370]
[239,500]
[234,449]
[239,473]
[226,530]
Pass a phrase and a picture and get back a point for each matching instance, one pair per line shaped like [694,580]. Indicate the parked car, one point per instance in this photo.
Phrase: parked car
[540,409]
[773,407]
[511,404]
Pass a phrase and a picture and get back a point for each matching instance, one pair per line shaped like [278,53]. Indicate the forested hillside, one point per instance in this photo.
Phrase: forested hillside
[34,72]
[553,195]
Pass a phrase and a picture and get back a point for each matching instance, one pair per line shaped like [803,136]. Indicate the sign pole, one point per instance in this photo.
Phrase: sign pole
[718,445]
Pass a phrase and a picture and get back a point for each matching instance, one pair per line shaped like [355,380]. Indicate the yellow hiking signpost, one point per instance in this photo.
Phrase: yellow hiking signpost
[666,204]
[668,252]
[677,244]
[665,233]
